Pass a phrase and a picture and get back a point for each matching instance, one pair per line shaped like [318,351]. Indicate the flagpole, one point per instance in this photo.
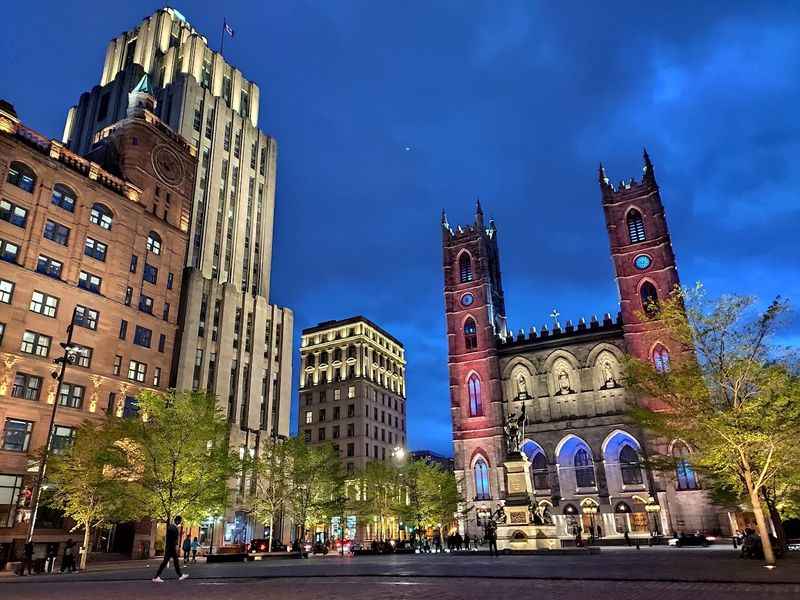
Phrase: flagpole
[222,37]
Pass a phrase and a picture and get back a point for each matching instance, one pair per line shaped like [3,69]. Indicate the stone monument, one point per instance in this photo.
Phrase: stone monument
[522,526]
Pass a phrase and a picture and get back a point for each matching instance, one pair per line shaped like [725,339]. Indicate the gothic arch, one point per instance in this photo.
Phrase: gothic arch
[623,461]
[607,371]
[465,270]
[477,453]
[475,397]
[568,445]
[519,368]
[619,435]
[558,364]
[530,448]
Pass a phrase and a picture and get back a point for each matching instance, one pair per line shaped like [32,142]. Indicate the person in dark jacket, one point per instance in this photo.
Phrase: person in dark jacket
[171,552]
[27,559]
[187,548]
[68,558]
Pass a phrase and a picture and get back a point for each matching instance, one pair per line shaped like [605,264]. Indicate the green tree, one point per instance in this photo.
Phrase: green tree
[429,496]
[273,483]
[728,392]
[78,478]
[378,492]
[177,457]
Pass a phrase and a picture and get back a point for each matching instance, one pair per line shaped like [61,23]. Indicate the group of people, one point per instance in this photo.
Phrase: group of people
[68,563]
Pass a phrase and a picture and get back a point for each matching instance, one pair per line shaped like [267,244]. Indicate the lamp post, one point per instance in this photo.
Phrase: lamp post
[70,356]
[653,508]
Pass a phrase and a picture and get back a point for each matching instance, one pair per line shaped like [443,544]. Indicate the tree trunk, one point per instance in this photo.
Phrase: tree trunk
[85,554]
[775,517]
[269,539]
[761,523]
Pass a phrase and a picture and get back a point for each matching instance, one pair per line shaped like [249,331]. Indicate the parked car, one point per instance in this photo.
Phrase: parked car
[691,539]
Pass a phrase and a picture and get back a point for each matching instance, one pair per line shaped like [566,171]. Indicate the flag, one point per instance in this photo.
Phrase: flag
[228,29]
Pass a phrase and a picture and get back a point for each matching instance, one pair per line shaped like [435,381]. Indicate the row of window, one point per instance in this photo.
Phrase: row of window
[384,435]
[17,436]
[385,417]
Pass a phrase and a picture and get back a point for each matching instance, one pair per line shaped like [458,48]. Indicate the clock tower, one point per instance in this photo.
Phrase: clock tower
[475,309]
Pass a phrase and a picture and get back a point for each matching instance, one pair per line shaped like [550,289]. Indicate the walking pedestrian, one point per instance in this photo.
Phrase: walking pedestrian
[466,542]
[187,548]
[27,558]
[491,537]
[195,548]
[171,552]
[627,538]
[68,558]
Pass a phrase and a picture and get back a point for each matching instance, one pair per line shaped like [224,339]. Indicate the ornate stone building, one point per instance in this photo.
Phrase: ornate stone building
[584,454]
[233,342]
[99,243]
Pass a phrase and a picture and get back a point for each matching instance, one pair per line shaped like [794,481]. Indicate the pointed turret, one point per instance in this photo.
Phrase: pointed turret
[478,214]
[649,175]
[141,97]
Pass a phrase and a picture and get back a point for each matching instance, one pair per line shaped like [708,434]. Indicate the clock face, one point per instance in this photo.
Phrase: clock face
[167,165]
[642,261]
[467,299]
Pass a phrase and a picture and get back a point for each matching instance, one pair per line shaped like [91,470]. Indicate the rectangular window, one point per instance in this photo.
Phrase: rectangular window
[35,343]
[351,391]
[146,304]
[198,119]
[6,291]
[170,280]
[337,394]
[26,386]
[131,407]
[117,364]
[84,356]
[162,340]
[128,296]
[17,435]
[351,449]
[2,332]
[10,487]
[8,251]
[165,312]
[63,438]
[16,215]
[71,395]
[137,371]
[63,198]
[134,263]
[306,435]
[123,329]
[309,417]
[142,336]
[44,304]
[321,434]
[95,249]
[89,282]
[335,433]
[150,273]
[86,317]
[336,413]
[56,232]
[157,377]
[49,266]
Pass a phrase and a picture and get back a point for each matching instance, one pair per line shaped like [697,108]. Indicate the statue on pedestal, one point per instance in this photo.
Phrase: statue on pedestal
[542,516]
[514,430]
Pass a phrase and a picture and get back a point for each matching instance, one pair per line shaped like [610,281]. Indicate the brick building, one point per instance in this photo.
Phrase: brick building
[585,455]
[99,242]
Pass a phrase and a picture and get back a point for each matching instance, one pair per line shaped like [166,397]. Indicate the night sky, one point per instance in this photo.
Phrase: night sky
[387,112]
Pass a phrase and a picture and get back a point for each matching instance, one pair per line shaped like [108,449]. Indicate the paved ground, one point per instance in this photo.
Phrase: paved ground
[664,573]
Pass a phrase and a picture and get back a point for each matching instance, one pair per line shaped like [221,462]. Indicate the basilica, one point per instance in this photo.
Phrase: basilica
[586,458]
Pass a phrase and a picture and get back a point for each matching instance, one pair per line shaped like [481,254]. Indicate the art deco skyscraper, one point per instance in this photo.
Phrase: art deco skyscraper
[233,342]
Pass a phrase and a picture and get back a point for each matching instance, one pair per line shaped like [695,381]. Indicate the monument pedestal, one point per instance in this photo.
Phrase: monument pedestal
[519,532]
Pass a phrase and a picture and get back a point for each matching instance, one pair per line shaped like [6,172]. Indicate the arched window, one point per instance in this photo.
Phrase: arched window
[465,267]
[649,297]
[481,472]
[635,227]
[154,242]
[630,466]
[474,389]
[541,480]
[584,469]
[22,176]
[687,478]
[100,215]
[63,197]
[661,359]
[470,334]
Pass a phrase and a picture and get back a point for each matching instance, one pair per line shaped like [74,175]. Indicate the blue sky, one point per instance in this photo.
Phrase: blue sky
[515,102]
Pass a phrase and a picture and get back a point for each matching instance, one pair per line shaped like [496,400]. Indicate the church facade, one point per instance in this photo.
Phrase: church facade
[585,456]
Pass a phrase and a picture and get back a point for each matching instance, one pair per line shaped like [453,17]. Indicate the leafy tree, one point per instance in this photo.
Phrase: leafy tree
[81,488]
[273,483]
[431,494]
[728,392]
[378,492]
[177,457]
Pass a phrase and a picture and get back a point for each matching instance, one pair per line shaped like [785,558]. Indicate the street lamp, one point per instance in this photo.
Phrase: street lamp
[653,508]
[71,356]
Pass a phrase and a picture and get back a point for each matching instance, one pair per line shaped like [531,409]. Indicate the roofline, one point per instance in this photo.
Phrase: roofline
[325,325]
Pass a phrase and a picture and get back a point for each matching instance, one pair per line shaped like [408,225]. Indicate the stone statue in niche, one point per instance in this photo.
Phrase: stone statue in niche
[522,387]
[609,380]
[564,383]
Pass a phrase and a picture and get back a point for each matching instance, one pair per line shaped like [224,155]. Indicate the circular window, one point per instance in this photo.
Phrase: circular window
[467,299]
[642,261]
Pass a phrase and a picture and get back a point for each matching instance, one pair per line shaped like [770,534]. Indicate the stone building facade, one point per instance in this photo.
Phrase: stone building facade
[234,343]
[353,390]
[100,244]
[584,454]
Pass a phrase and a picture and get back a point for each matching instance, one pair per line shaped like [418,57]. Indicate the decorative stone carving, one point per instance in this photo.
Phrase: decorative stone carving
[514,430]
[5,381]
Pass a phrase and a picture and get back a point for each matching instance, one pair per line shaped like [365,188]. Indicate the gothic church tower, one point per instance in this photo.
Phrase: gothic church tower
[475,309]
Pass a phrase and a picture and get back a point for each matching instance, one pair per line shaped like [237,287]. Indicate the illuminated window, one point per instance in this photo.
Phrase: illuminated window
[16,215]
[63,197]
[649,297]
[465,267]
[661,359]
[686,477]
[22,176]
[470,334]
[100,215]
[474,389]
[630,466]
[154,243]
[481,473]
[584,469]
[44,304]
[309,417]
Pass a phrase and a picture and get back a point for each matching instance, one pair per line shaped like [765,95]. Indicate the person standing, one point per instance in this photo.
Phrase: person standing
[187,548]
[68,558]
[27,558]
[171,552]
[491,537]
[195,548]
[466,542]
